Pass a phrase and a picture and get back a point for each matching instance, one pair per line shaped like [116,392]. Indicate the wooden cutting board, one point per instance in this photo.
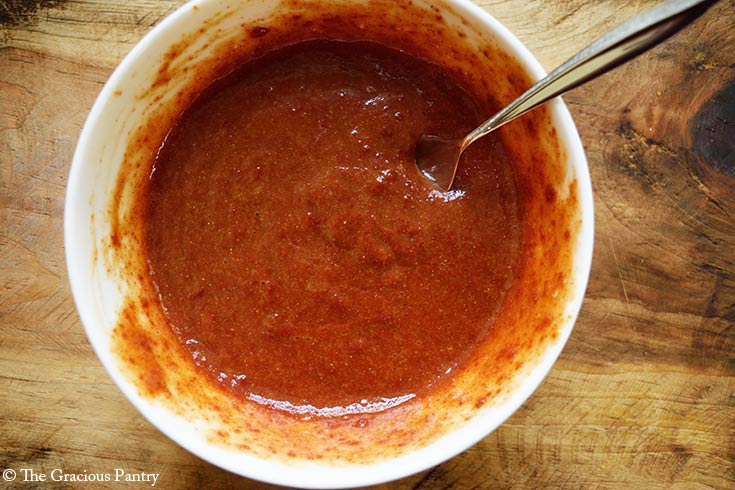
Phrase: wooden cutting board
[643,396]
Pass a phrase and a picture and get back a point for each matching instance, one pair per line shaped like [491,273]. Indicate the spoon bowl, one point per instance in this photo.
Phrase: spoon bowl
[438,158]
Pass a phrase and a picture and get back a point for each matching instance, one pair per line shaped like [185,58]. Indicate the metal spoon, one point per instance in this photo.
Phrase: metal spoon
[437,158]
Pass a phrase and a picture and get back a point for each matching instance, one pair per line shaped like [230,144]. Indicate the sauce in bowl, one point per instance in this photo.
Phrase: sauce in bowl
[293,289]
[300,257]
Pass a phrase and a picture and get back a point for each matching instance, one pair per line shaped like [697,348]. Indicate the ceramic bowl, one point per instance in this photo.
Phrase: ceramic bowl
[142,98]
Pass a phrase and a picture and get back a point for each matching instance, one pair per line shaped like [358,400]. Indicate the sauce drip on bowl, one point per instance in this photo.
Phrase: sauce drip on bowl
[300,257]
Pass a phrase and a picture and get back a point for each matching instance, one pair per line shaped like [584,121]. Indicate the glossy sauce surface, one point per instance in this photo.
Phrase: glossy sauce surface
[300,257]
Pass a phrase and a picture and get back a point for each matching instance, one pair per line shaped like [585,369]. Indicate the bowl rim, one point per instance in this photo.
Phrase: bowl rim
[438,451]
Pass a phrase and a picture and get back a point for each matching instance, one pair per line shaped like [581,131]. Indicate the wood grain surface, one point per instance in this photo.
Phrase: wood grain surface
[643,396]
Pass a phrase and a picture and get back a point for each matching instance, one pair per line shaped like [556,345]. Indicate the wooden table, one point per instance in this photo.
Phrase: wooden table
[643,396]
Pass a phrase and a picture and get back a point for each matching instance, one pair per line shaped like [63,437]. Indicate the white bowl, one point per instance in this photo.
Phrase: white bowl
[153,77]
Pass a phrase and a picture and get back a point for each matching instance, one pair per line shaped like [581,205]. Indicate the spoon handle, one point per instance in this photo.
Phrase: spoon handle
[612,49]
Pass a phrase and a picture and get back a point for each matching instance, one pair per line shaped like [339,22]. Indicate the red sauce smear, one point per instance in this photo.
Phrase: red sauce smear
[300,257]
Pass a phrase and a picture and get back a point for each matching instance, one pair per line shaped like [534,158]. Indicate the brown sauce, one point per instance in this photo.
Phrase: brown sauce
[299,256]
